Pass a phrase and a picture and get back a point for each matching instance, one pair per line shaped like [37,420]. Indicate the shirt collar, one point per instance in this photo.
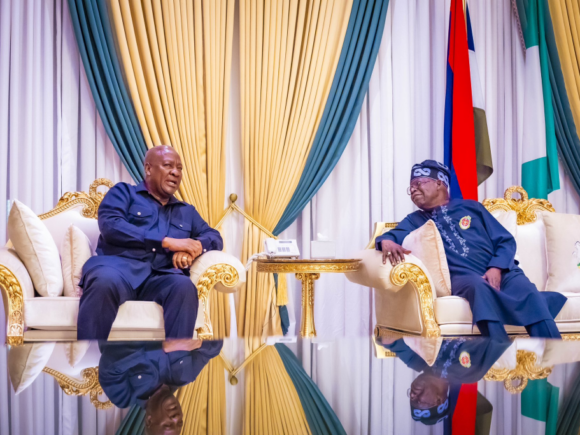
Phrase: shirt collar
[141,188]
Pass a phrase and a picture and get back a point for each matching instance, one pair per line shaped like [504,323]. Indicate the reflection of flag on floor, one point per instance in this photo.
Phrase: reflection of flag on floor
[467,150]
[470,412]
[540,408]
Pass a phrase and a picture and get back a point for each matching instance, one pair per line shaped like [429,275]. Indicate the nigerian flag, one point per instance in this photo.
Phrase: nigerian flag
[540,408]
[540,156]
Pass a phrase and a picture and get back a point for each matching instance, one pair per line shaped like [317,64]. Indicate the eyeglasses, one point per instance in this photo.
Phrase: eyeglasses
[417,185]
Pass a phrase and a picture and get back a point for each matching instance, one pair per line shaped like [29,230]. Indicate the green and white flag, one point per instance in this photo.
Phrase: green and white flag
[540,168]
[540,408]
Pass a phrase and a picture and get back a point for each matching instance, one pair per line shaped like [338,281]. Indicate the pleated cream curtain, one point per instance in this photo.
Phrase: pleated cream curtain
[289,51]
[566,20]
[176,55]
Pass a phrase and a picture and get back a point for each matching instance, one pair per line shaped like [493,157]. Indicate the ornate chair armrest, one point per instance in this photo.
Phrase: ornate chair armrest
[219,270]
[373,273]
[388,279]
[15,286]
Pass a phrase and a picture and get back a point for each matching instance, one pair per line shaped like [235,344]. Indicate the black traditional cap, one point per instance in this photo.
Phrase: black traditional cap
[431,416]
[431,169]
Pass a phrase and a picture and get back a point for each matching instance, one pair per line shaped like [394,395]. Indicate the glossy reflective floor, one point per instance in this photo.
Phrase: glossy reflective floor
[391,385]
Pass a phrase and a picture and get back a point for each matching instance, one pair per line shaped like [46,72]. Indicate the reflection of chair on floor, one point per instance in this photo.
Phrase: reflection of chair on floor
[405,296]
[525,360]
[74,365]
[34,318]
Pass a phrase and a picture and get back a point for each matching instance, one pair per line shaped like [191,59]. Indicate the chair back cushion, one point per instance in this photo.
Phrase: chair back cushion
[531,241]
[58,225]
[74,253]
[563,251]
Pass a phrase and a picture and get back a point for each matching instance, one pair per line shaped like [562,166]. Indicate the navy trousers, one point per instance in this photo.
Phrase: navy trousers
[105,290]
[542,329]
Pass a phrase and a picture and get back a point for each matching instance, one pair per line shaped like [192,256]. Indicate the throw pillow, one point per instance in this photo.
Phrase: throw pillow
[26,362]
[36,248]
[76,250]
[426,244]
[563,252]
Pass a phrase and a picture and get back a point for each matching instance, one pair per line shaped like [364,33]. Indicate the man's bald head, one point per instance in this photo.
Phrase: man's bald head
[163,172]
[157,152]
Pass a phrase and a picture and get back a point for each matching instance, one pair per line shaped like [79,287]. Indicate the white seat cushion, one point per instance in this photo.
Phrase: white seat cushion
[60,313]
[455,310]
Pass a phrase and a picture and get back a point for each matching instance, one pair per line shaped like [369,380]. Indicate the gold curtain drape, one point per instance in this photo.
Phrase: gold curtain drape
[289,52]
[204,401]
[176,55]
[566,21]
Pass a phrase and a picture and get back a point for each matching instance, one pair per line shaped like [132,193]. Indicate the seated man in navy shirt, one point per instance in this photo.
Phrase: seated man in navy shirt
[481,257]
[148,241]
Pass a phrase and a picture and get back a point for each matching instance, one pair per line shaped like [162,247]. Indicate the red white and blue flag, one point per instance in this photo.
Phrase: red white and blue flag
[466,139]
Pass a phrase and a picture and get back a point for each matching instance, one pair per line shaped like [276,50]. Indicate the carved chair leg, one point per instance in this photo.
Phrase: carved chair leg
[228,276]
[405,272]
[14,305]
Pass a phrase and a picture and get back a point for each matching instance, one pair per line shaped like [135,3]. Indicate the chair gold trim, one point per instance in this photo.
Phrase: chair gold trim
[89,385]
[12,291]
[526,370]
[526,210]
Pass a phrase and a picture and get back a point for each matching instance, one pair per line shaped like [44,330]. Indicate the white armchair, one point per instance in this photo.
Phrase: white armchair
[405,297]
[35,318]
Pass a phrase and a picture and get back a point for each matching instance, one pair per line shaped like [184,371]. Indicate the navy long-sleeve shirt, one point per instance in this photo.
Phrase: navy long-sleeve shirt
[481,243]
[130,373]
[133,225]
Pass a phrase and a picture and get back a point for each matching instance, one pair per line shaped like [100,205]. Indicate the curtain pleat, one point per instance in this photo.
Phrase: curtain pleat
[96,47]
[203,402]
[133,423]
[349,87]
[273,405]
[289,51]
[563,40]
[321,418]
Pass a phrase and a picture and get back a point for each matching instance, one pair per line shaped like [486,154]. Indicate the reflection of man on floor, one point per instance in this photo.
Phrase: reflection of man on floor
[148,373]
[480,253]
[148,241]
[434,393]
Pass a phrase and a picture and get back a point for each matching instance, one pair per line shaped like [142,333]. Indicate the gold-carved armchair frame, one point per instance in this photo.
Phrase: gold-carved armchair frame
[403,273]
[11,289]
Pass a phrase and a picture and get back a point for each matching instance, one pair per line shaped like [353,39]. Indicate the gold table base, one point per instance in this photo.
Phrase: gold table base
[307,271]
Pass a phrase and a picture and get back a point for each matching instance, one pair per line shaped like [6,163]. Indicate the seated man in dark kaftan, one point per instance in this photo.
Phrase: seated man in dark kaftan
[148,373]
[481,257]
[148,241]
[434,393]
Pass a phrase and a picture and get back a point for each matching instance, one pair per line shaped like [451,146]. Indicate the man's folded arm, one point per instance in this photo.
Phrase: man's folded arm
[397,234]
[210,239]
[115,227]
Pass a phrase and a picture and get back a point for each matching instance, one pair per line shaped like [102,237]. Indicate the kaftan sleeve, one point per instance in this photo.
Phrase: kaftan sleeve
[397,234]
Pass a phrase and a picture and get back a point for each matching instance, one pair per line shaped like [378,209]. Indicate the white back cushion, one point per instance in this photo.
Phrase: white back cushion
[531,240]
[35,247]
[58,225]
